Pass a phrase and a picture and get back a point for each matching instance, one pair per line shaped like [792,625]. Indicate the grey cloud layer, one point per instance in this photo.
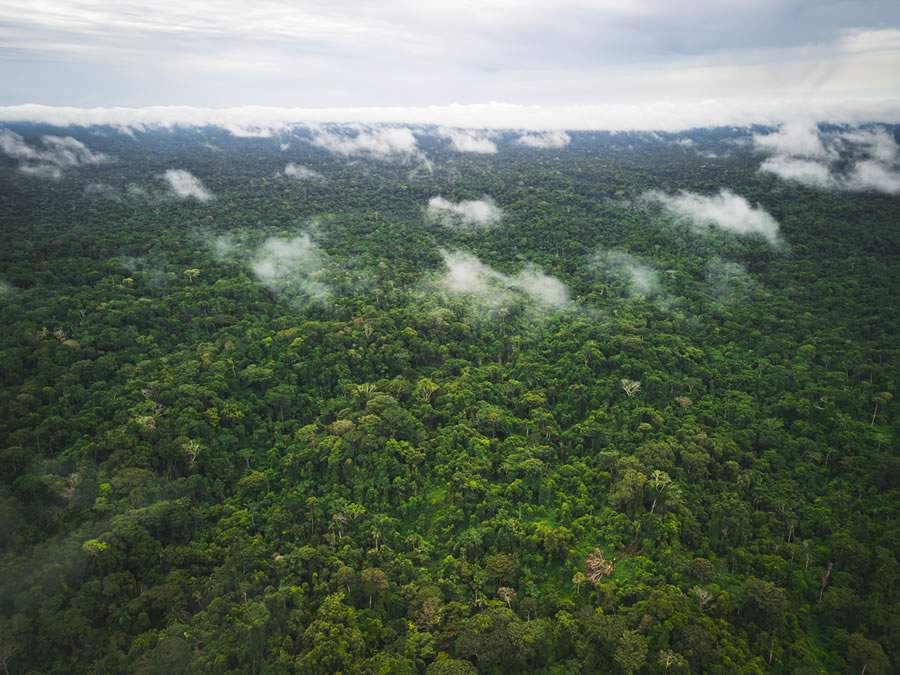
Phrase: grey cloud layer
[352,53]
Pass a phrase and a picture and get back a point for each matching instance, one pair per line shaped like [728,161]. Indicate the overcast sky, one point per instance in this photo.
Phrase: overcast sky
[414,53]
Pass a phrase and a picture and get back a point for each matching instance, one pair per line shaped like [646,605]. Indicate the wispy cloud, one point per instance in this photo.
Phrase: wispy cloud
[469,140]
[185,185]
[725,211]
[796,170]
[727,281]
[466,214]
[488,289]
[545,140]
[858,160]
[637,277]
[382,143]
[300,172]
[795,139]
[49,161]
[873,175]
[291,267]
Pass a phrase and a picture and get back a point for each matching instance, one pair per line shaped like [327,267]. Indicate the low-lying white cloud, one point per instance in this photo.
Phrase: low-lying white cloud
[812,159]
[638,277]
[545,140]
[466,214]
[469,140]
[873,175]
[385,144]
[465,275]
[794,139]
[300,172]
[185,185]
[878,143]
[57,154]
[725,210]
[803,171]
[290,266]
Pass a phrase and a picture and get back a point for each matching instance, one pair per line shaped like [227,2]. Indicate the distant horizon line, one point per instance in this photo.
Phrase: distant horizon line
[661,116]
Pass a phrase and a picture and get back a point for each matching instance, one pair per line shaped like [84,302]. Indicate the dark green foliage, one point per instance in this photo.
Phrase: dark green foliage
[200,475]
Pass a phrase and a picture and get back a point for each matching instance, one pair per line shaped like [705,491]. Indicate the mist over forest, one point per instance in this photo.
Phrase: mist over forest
[420,398]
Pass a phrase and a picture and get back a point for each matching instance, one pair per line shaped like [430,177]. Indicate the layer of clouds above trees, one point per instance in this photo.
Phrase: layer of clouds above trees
[858,160]
[538,126]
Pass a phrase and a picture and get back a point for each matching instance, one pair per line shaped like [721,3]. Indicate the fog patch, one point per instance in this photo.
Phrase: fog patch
[291,267]
[300,172]
[545,140]
[104,190]
[794,139]
[384,144]
[185,185]
[638,278]
[469,140]
[803,171]
[877,143]
[56,154]
[467,214]
[813,159]
[725,210]
[727,281]
[489,289]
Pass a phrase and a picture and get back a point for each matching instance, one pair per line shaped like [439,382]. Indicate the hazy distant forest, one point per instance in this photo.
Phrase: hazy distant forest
[381,400]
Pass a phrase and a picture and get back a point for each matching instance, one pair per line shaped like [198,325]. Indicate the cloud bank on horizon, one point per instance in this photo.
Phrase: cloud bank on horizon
[541,126]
